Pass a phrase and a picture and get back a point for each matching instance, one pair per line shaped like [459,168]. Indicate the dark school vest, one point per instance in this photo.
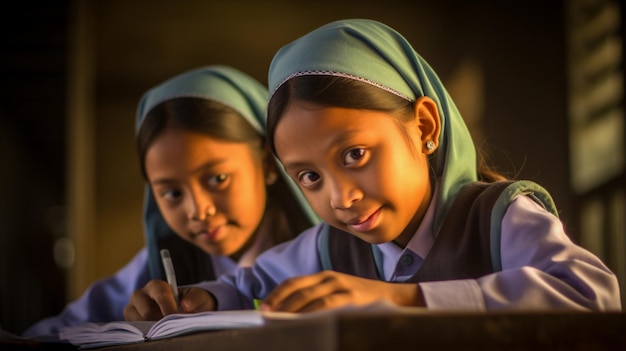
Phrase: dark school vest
[466,247]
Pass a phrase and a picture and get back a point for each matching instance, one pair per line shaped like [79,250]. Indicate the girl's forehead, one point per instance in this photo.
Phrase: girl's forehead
[324,127]
[179,151]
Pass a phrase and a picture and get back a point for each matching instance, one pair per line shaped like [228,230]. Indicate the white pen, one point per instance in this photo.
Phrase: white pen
[169,273]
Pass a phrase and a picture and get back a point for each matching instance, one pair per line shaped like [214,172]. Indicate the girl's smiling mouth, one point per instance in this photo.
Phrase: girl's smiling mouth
[368,224]
[210,234]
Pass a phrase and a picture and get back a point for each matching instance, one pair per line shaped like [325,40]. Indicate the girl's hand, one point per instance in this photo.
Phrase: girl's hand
[329,289]
[156,300]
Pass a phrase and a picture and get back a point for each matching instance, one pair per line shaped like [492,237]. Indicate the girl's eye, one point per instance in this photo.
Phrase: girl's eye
[355,156]
[171,194]
[308,179]
[218,181]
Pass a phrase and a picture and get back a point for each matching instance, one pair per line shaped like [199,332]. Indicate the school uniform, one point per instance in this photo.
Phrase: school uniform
[555,274]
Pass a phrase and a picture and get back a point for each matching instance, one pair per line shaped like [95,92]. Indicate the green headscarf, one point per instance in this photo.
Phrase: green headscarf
[222,84]
[374,53]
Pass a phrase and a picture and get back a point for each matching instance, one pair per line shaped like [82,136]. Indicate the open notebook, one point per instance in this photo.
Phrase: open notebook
[91,335]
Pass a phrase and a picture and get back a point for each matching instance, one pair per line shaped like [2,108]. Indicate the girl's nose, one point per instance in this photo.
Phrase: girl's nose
[343,194]
[200,208]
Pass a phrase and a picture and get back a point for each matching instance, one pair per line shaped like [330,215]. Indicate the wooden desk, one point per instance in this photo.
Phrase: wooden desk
[433,331]
[422,331]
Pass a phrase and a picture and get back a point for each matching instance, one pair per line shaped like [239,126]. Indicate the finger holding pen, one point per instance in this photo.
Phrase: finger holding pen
[193,299]
[152,302]
[159,298]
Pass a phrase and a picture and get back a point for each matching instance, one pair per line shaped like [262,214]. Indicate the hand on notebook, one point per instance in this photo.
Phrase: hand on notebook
[330,289]
[156,300]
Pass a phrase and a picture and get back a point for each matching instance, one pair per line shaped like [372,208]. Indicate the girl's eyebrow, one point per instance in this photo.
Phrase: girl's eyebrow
[338,140]
[292,166]
[343,137]
[204,166]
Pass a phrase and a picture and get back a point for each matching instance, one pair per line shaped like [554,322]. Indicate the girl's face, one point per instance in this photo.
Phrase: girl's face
[358,170]
[211,192]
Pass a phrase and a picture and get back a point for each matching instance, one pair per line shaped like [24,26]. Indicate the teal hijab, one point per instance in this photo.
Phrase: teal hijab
[222,84]
[376,54]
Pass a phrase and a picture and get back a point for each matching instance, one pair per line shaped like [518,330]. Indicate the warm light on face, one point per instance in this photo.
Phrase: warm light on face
[210,192]
[357,169]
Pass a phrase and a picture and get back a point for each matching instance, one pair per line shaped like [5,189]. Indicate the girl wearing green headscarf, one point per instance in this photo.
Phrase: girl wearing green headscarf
[366,129]
[214,195]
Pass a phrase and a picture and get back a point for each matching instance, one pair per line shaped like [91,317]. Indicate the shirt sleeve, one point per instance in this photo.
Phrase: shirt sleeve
[103,301]
[290,259]
[541,268]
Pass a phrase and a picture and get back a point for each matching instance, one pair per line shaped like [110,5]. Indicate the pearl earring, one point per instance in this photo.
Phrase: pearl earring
[430,145]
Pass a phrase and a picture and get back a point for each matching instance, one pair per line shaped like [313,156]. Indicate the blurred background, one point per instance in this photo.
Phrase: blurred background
[540,83]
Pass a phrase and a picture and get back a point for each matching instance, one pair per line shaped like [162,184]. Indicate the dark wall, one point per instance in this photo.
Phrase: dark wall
[32,158]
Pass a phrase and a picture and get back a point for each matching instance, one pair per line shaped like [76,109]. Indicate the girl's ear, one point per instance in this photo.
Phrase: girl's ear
[429,123]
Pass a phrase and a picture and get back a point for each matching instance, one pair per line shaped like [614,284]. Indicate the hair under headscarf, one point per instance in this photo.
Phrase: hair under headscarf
[376,54]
